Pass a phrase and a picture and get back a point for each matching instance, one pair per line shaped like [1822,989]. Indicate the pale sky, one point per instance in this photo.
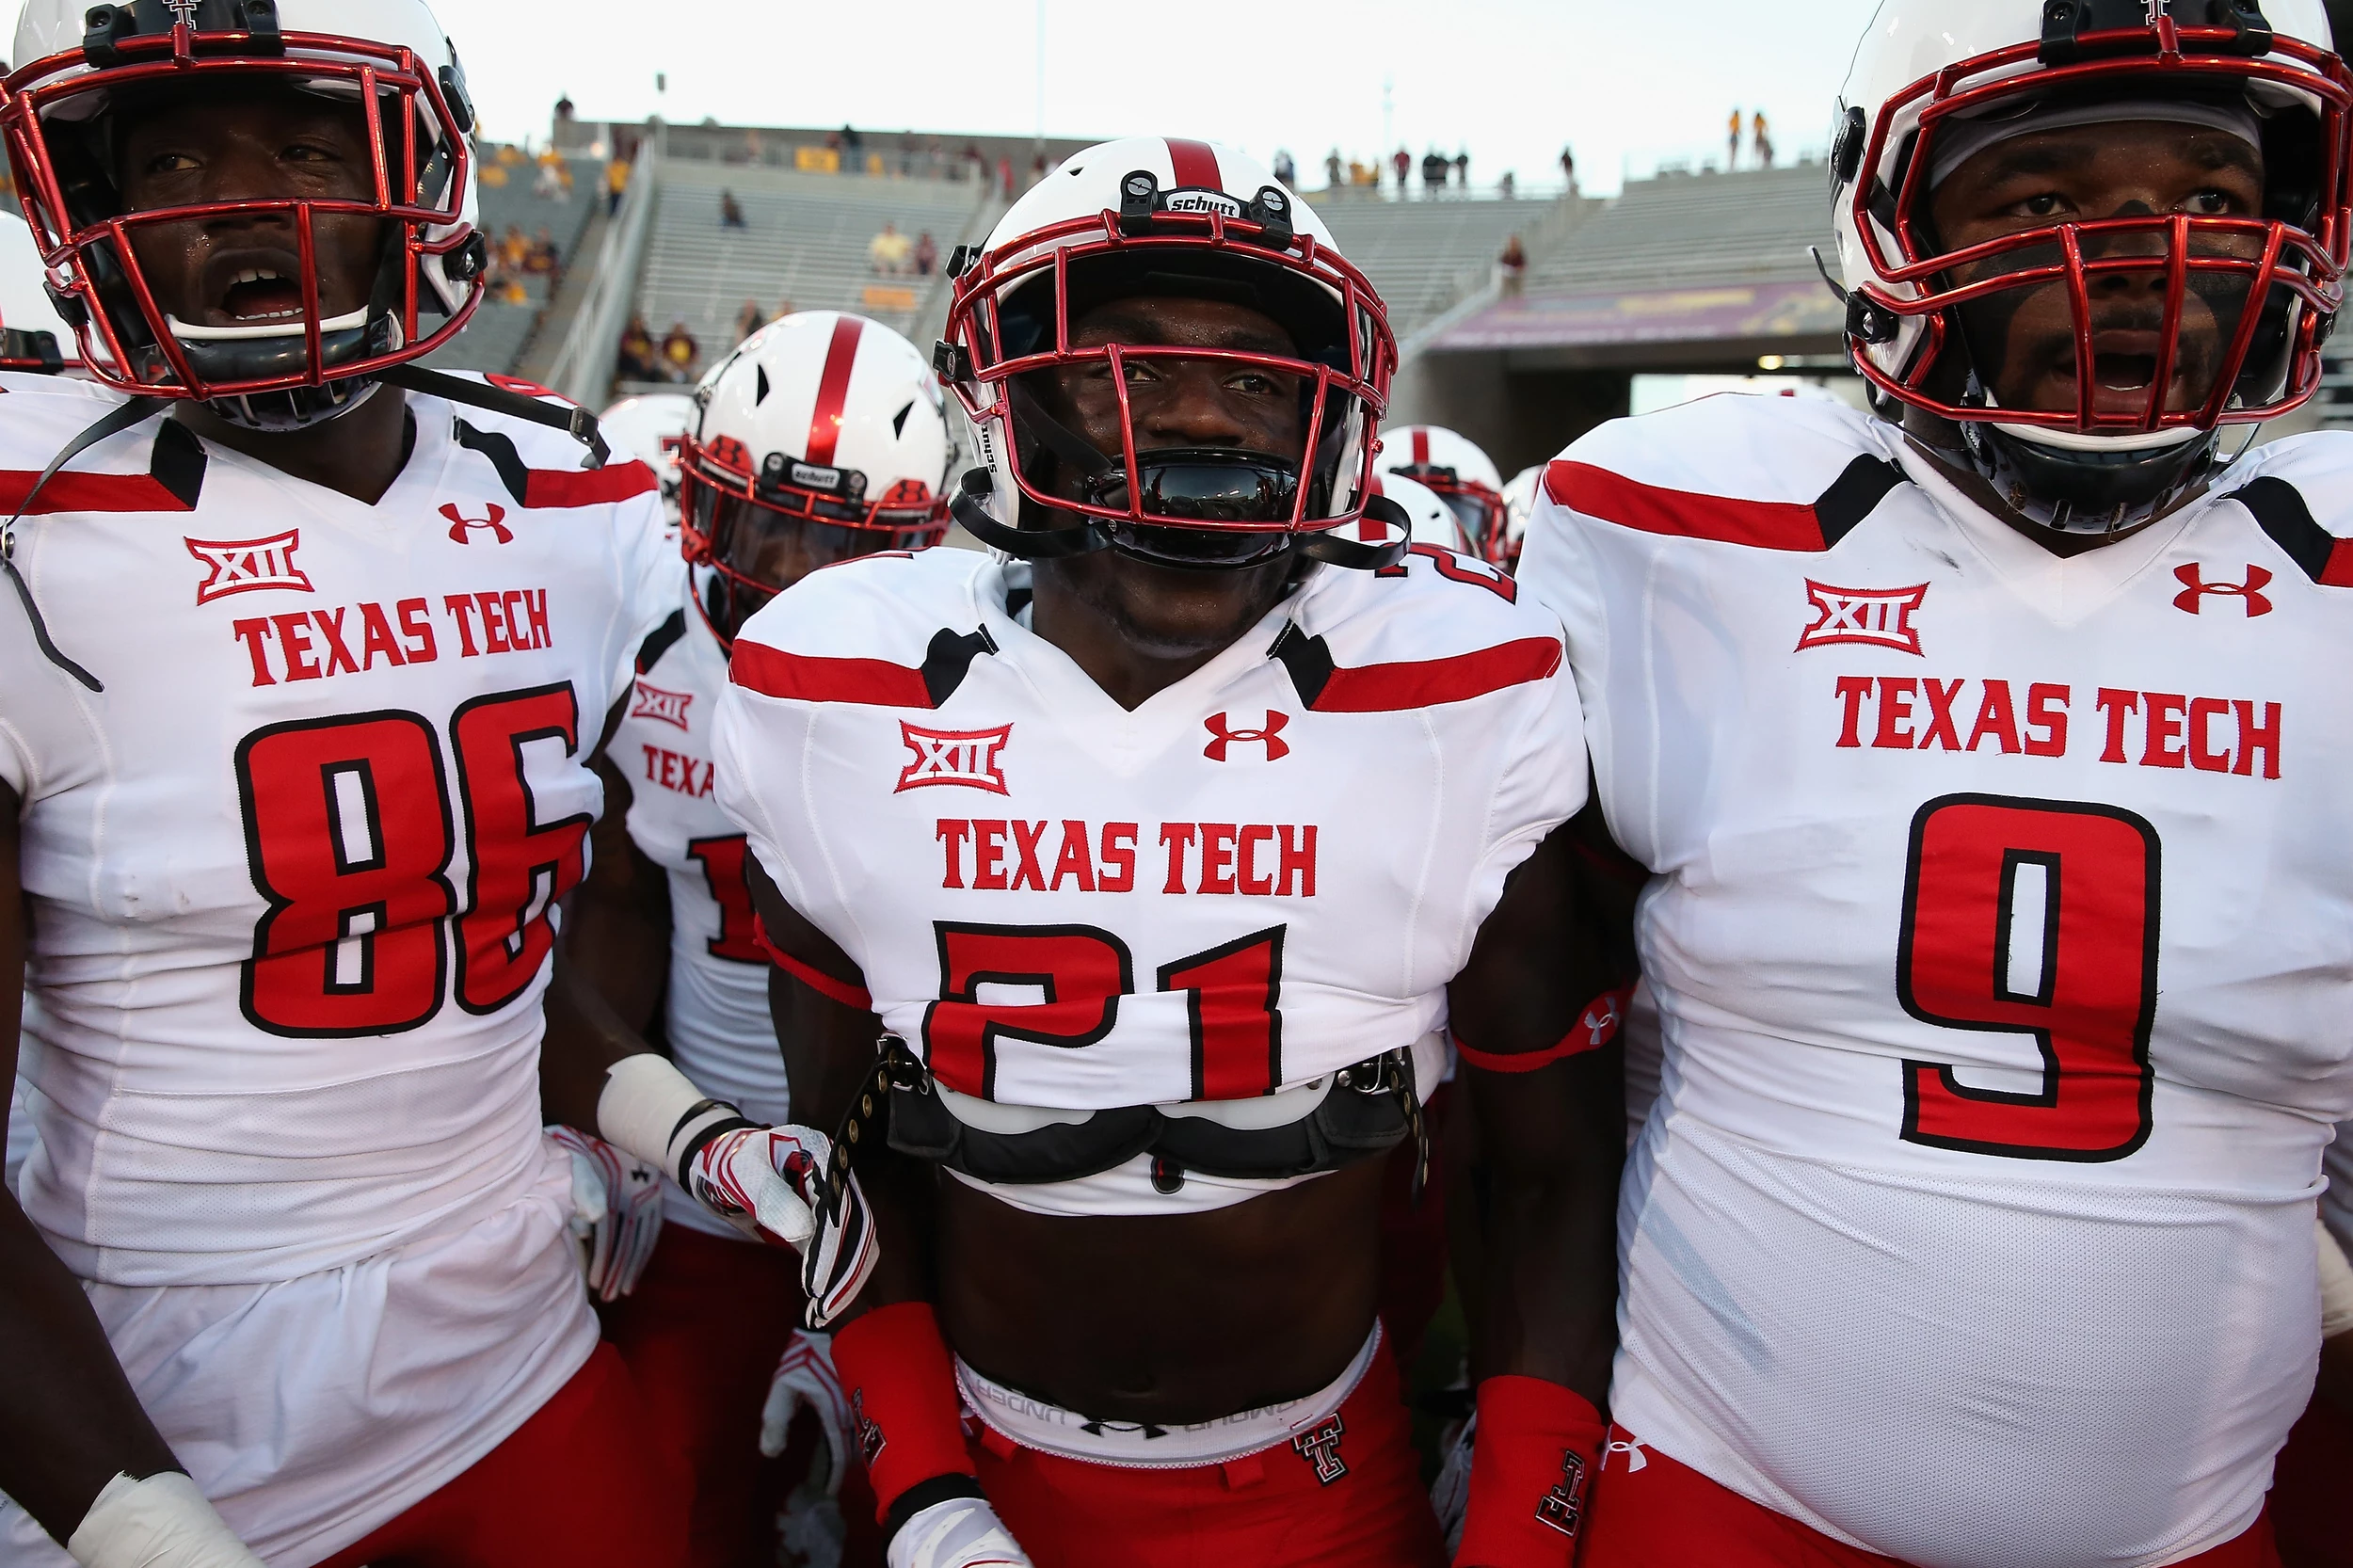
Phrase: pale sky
[1510,80]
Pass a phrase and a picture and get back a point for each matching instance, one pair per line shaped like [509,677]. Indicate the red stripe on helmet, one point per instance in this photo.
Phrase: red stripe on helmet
[833,389]
[1421,449]
[1194,163]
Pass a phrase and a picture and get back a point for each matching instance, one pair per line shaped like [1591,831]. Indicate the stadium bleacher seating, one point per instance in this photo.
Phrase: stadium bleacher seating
[496,337]
[1426,256]
[804,241]
[1696,229]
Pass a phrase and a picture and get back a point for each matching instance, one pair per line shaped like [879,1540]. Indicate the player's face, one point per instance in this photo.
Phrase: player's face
[250,142]
[2024,340]
[1167,612]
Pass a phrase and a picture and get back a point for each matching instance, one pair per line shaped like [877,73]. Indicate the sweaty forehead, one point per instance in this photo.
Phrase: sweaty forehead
[1177,322]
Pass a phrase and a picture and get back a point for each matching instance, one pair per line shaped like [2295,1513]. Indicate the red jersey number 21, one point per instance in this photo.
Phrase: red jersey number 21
[2036,917]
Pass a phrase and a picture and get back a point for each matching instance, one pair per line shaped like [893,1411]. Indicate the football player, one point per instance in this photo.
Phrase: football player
[1987,753]
[824,436]
[1149,848]
[308,651]
[1457,472]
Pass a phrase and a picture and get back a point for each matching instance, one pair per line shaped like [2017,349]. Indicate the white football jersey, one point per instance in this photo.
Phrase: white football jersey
[715,1011]
[1263,873]
[2001,944]
[19,1138]
[293,874]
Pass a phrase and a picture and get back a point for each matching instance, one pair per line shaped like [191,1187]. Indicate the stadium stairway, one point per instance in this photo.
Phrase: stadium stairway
[804,243]
[499,333]
[1696,229]
[1425,257]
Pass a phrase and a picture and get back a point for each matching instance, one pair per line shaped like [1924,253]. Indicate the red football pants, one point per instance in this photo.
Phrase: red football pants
[701,1335]
[1667,1512]
[576,1484]
[2312,1489]
[1268,1510]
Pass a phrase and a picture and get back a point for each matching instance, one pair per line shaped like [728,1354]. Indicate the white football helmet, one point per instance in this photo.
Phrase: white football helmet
[650,429]
[75,62]
[824,436]
[1452,466]
[1161,217]
[1519,502]
[33,337]
[1434,521]
[1933,81]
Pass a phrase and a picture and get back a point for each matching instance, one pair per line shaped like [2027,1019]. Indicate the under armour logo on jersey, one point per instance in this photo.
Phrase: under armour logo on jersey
[461,527]
[1267,735]
[655,703]
[2249,594]
[966,756]
[1319,1445]
[1876,617]
[1564,1507]
[244,566]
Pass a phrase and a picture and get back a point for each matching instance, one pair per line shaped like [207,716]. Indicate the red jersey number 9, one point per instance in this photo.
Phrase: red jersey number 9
[2037,918]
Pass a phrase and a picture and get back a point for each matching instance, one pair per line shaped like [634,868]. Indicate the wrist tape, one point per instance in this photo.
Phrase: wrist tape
[1532,1471]
[896,1374]
[655,1112]
[162,1521]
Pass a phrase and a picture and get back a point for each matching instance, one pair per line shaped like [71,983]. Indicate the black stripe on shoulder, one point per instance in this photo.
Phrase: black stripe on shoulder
[1855,495]
[178,462]
[1308,661]
[500,449]
[948,660]
[2280,511]
[660,641]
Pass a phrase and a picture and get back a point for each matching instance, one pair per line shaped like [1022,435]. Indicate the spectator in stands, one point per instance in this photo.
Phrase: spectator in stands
[1436,167]
[1462,172]
[549,186]
[731,212]
[1331,169]
[888,253]
[514,250]
[1285,170]
[926,254]
[543,260]
[635,362]
[853,151]
[1511,266]
[615,182]
[564,110]
[1404,162]
[680,353]
[1509,186]
[1762,139]
[1568,169]
[1732,143]
[750,319]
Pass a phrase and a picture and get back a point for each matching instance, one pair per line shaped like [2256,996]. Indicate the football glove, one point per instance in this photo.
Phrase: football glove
[962,1533]
[161,1522]
[805,1376]
[616,1212]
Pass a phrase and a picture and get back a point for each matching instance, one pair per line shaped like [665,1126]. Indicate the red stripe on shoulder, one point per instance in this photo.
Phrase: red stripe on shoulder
[1432,682]
[804,677]
[69,491]
[1792,525]
[2338,573]
[560,488]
